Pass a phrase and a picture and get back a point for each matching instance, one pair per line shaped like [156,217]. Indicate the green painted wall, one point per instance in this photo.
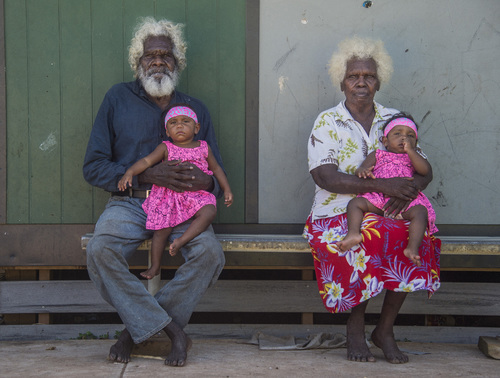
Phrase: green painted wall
[61,58]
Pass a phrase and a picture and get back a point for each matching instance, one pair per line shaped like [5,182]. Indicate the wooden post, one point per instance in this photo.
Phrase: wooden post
[44,275]
[307,317]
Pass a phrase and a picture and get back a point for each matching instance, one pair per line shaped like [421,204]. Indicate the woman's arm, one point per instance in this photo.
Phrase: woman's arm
[329,178]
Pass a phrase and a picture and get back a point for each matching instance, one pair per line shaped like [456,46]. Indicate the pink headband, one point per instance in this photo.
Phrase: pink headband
[400,121]
[180,110]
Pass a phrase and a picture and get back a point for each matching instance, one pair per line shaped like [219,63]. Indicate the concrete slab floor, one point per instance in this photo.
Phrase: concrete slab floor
[235,358]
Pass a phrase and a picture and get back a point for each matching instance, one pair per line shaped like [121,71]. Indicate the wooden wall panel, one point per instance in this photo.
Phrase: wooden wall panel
[62,57]
[44,101]
[18,153]
[231,110]
[76,107]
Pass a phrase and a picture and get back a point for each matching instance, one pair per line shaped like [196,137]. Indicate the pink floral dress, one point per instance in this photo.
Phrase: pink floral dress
[166,208]
[388,165]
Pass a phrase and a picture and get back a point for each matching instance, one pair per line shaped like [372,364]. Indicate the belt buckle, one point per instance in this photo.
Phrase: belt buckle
[130,192]
[148,192]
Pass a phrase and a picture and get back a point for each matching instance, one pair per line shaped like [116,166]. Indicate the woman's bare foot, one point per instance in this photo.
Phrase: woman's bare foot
[349,241]
[150,273]
[357,349]
[179,339]
[120,351]
[389,347]
[413,255]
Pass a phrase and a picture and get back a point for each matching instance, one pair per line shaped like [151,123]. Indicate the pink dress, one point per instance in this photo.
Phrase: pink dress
[388,165]
[166,208]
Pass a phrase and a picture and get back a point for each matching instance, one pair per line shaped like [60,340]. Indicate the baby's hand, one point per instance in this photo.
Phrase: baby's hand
[365,173]
[228,198]
[408,146]
[125,182]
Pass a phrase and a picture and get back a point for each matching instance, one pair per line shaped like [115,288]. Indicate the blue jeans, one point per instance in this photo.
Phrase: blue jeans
[118,232]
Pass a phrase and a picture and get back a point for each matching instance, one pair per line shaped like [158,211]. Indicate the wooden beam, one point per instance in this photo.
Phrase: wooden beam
[453,298]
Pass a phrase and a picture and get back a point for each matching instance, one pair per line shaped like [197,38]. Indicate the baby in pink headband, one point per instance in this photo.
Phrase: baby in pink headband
[166,208]
[401,159]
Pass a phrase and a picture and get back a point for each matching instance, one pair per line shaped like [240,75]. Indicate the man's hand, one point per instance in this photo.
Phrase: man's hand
[177,176]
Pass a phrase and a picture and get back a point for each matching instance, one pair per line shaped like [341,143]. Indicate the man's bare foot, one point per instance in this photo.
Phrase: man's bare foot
[150,273]
[120,351]
[357,349]
[349,241]
[174,247]
[413,255]
[179,339]
[389,347]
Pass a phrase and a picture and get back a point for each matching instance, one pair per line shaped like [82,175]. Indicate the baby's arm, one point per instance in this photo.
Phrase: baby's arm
[365,170]
[159,154]
[221,177]
[421,165]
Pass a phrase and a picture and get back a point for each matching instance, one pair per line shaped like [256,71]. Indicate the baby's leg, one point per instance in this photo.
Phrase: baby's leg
[158,244]
[355,212]
[417,215]
[201,220]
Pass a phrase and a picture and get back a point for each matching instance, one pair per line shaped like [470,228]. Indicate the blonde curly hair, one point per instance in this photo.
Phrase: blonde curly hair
[149,27]
[362,48]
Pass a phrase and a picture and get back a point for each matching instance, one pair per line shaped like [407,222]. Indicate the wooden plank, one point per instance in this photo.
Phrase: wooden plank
[44,63]
[252,47]
[3,120]
[482,299]
[76,107]
[16,60]
[230,36]
[107,69]
[460,335]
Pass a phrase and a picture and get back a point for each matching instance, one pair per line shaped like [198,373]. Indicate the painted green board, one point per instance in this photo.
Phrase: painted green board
[62,57]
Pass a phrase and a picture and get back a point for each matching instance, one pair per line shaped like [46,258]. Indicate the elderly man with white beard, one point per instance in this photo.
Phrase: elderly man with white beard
[128,126]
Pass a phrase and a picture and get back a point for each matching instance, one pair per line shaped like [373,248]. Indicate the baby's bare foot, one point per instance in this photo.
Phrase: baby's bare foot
[413,255]
[349,241]
[150,273]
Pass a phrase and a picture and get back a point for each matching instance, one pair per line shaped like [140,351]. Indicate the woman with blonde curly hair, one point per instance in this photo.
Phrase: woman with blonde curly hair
[340,140]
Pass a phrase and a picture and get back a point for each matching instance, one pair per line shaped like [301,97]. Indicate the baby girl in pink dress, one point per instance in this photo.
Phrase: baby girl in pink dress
[400,160]
[166,208]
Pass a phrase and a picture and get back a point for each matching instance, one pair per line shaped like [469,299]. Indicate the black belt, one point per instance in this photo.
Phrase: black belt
[132,193]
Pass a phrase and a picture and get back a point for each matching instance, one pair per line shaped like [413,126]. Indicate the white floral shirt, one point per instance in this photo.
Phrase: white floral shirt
[337,138]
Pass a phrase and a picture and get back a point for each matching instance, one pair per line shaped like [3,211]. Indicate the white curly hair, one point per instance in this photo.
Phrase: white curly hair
[148,27]
[362,48]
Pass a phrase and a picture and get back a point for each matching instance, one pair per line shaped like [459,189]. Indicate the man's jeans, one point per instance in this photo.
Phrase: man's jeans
[118,232]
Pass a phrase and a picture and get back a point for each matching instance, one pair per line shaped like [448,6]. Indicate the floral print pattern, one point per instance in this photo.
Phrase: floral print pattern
[345,279]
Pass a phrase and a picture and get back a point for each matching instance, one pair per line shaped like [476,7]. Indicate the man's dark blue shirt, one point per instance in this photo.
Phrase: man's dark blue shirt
[128,127]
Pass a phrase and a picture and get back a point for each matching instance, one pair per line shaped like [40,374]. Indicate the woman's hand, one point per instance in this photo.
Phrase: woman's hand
[402,191]
[399,187]
[177,176]
[395,206]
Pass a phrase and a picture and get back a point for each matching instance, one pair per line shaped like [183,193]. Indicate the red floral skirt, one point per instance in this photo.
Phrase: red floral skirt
[345,279]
